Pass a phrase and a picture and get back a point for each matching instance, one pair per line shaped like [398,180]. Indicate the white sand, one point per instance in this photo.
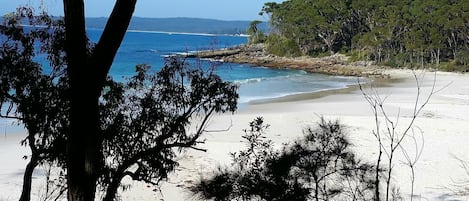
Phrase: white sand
[444,122]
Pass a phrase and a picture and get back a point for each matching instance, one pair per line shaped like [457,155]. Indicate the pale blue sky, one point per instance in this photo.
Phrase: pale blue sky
[213,9]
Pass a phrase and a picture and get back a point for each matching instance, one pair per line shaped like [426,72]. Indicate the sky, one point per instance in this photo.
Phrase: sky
[211,9]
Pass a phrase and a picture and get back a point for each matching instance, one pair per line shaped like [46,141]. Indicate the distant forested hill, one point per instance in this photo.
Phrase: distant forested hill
[189,25]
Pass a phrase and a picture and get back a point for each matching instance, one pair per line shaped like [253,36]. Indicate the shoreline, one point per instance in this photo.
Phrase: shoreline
[443,122]
[335,65]
[256,55]
[377,82]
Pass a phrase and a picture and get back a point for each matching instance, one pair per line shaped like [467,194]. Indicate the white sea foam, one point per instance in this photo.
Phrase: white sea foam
[213,60]
[250,99]
[148,50]
[185,33]
[266,88]
[250,80]
[261,79]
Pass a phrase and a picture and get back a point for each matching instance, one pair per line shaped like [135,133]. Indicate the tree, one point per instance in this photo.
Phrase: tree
[396,33]
[255,35]
[319,166]
[390,133]
[147,121]
[87,73]
[80,112]
[31,95]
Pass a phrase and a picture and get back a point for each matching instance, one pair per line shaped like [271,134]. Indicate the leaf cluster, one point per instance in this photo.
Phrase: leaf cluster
[144,122]
[29,93]
[147,120]
[319,166]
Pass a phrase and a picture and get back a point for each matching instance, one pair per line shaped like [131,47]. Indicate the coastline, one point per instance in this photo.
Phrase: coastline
[348,89]
[256,55]
[443,121]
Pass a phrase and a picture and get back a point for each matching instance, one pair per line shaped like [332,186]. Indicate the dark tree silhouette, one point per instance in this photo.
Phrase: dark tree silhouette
[30,95]
[97,130]
[147,120]
[87,73]
[319,166]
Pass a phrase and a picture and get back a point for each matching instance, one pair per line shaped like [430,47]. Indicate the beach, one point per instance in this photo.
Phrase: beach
[443,124]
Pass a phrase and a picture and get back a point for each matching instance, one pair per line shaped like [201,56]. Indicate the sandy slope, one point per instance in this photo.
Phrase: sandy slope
[444,123]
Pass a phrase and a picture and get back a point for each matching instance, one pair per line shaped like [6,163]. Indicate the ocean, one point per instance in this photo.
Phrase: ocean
[256,82]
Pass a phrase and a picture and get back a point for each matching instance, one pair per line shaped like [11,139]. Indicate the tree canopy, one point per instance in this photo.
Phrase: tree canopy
[94,129]
[398,33]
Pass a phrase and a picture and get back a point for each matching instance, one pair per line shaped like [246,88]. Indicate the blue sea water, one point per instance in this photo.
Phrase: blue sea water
[256,82]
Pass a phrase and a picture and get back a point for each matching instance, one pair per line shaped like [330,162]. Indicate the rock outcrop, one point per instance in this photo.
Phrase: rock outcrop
[336,64]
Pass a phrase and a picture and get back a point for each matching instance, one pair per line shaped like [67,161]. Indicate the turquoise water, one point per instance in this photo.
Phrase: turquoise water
[256,82]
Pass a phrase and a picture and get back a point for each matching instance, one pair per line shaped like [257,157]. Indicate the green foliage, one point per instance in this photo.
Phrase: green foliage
[320,166]
[143,123]
[258,151]
[255,35]
[28,94]
[398,33]
[282,46]
[397,61]
[32,96]
[462,57]
[452,67]
[145,119]
[358,55]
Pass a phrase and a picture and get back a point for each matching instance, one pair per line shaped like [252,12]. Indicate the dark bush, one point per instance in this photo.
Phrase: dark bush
[319,166]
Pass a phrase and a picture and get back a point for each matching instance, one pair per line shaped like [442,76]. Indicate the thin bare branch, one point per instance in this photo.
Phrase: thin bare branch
[11,117]
[220,130]
[393,138]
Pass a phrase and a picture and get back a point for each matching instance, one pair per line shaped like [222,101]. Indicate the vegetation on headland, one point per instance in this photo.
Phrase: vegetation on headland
[256,54]
[408,33]
[309,35]
[357,38]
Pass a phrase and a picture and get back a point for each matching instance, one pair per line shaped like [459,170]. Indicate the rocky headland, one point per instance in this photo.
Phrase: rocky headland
[337,64]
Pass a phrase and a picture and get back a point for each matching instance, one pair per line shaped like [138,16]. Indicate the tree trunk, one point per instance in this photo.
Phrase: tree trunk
[27,178]
[111,190]
[377,178]
[33,162]
[316,189]
[422,59]
[390,168]
[87,74]
[81,149]
[432,56]
[411,58]
[111,39]
[379,55]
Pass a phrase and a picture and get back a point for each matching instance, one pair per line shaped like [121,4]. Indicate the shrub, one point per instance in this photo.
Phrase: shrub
[320,166]
[282,46]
